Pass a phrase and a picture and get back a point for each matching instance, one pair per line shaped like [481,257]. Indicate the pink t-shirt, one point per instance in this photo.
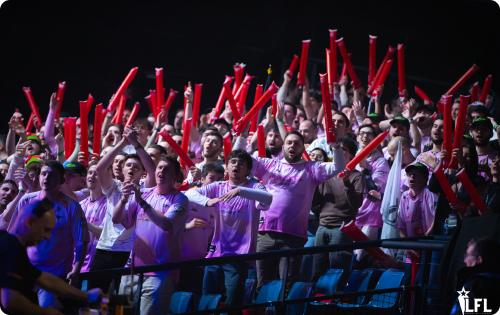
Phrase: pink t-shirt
[153,245]
[292,187]
[95,211]
[236,220]
[68,237]
[416,214]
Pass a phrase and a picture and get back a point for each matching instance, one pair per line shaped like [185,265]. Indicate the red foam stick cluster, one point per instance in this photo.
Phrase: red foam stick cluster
[459,127]
[347,60]
[118,118]
[33,106]
[293,65]
[99,114]
[133,114]
[486,88]
[197,103]
[261,141]
[327,108]
[472,191]
[366,150]
[238,77]
[447,125]
[241,124]
[357,235]
[69,136]
[446,187]
[372,58]
[274,104]
[380,80]
[423,95]
[228,146]
[244,85]
[466,76]
[242,96]
[332,69]
[187,162]
[401,70]
[388,55]
[121,90]
[304,56]
[230,99]
[60,97]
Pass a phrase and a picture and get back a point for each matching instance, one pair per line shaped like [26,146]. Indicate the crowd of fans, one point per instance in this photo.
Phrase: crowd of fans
[136,204]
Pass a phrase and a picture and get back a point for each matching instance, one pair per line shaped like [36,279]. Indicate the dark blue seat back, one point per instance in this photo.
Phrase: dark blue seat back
[391,278]
[182,302]
[269,292]
[209,302]
[327,283]
[299,290]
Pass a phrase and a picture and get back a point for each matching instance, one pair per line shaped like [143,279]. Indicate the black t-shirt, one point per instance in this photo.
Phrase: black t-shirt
[16,271]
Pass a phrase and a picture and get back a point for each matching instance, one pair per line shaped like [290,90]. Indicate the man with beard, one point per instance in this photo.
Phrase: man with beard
[292,182]
[115,242]
[482,131]
[340,129]
[237,203]
[159,215]
[432,157]
[274,145]
[212,147]
[63,253]
[8,191]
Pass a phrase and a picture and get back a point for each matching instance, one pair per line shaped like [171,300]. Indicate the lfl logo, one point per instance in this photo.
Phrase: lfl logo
[473,306]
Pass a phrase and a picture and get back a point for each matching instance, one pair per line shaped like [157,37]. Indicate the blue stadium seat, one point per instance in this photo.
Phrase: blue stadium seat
[391,278]
[209,302]
[182,302]
[270,292]
[359,281]
[299,290]
[327,283]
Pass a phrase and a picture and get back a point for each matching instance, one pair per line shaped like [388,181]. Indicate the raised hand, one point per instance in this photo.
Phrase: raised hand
[53,101]
[196,223]
[195,172]
[230,194]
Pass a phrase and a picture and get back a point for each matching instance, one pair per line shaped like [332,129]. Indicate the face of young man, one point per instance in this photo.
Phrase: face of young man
[274,142]
[132,170]
[293,148]
[211,178]
[40,229]
[416,180]
[365,136]
[237,170]
[165,174]
[50,179]
[308,131]
[211,146]
[437,132]
[92,180]
[118,166]
[481,134]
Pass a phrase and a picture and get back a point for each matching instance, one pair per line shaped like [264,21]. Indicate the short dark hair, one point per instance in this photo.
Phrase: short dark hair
[368,126]
[145,122]
[212,168]
[179,177]
[350,145]
[222,121]
[217,135]
[117,126]
[296,133]
[347,122]
[159,148]
[242,155]
[58,167]
[11,182]
[488,249]
[133,156]
[294,107]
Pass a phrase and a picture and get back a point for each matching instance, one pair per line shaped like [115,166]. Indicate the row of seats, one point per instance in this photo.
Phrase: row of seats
[328,284]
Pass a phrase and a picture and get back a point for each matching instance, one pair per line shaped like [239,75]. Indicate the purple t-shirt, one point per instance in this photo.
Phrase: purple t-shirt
[195,241]
[416,214]
[236,220]
[292,187]
[153,245]
[68,238]
[95,211]
[369,212]
[484,162]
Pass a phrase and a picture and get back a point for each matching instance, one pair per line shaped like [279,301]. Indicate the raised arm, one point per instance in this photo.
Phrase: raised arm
[48,131]
[105,163]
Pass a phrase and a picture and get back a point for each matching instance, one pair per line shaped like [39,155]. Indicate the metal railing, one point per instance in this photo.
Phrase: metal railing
[424,244]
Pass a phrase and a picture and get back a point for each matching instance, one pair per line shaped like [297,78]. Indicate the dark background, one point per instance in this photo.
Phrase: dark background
[92,45]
